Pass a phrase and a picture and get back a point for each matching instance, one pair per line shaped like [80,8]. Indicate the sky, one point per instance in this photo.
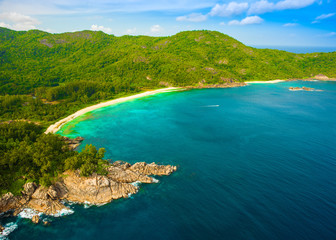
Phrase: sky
[253,22]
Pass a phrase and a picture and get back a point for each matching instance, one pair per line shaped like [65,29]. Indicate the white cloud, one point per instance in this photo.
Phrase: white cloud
[222,23]
[5,25]
[131,31]
[17,21]
[247,21]
[193,17]
[263,6]
[324,16]
[331,34]
[101,28]
[156,28]
[227,10]
[293,4]
[290,25]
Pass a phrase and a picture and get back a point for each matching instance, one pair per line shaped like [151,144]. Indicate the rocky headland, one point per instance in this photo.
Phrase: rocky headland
[96,189]
[320,77]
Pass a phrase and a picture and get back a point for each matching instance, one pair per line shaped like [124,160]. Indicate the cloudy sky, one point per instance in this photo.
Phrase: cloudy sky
[254,22]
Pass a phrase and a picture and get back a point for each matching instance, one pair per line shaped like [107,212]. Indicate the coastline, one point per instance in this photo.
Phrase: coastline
[57,126]
[271,81]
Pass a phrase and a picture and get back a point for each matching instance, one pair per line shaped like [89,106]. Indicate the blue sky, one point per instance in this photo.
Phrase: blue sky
[253,22]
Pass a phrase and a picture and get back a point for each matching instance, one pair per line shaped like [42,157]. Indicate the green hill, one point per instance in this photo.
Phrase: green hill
[76,69]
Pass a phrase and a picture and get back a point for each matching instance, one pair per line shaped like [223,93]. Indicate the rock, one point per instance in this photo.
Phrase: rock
[121,164]
[73,143]
[48,206]
[152,169]
[36,219]
[9,202]
[46,223]
[41,193]
[118,174]
[302,89]
[321,77]
[229,84]
[52,193]
[29,188]
[60,189]
[95,189]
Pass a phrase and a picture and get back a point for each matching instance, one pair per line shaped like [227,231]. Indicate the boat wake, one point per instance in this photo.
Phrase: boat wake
[209,106]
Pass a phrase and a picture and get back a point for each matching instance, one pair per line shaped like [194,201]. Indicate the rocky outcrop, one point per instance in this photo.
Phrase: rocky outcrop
[36,219]
[152,169]
[119,174]
[96,189]
[29,188]
[303,89]
[321,77]
[9,202]
[222,85]
[73,143]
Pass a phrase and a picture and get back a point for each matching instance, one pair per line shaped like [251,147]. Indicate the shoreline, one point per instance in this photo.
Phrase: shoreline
[271,81]
[57,126]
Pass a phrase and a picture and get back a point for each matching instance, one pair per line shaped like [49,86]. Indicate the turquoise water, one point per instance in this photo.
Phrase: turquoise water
[256,162]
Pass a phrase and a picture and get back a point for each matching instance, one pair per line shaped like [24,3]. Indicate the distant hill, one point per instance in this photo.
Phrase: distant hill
[83,67]
[34,59]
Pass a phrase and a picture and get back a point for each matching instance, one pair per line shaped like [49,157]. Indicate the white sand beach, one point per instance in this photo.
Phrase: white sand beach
[272,81]
[57,126]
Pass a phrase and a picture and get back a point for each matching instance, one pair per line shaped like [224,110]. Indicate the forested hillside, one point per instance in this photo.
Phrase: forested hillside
[47,76]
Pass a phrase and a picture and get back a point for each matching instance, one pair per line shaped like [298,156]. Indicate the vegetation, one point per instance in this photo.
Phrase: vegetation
[29,155]
[47,76]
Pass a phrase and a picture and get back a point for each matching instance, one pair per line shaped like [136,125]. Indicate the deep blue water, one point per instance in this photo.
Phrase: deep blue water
[300,49]
[256,162]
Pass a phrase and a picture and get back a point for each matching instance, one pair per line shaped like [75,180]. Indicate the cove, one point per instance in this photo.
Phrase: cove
[256,162]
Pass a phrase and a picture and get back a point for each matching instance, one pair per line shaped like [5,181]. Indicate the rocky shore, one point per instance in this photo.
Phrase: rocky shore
[73,143]
[222,85]
[320,77]
[96,189]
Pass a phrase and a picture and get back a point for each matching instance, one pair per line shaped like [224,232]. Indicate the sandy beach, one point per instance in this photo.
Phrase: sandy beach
[272,81]
[57,126]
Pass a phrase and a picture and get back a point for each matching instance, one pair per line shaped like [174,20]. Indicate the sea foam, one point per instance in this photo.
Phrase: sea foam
[63,212]
[28,213]
[155,180]
[9,227]
[136,184]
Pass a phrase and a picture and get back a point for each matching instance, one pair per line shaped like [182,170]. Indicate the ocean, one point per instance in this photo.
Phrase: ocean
[300,49]
[255,162]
